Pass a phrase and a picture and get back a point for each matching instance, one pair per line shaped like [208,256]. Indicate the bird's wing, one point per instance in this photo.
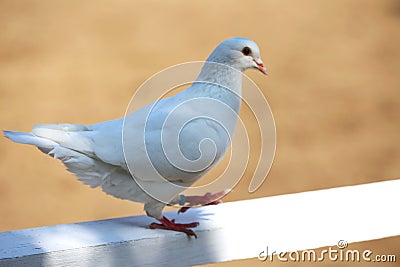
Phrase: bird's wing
[168,139]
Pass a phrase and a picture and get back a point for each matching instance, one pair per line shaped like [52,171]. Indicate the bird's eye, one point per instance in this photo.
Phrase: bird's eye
[246,51]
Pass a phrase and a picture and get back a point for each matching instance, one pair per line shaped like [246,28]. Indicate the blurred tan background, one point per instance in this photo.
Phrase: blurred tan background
[334,89]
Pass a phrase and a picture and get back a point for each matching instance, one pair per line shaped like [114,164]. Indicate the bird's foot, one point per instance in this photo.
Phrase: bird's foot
[171,225]
[206,200]
[185,208]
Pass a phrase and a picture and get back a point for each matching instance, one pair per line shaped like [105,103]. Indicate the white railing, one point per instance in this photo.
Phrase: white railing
[235,230]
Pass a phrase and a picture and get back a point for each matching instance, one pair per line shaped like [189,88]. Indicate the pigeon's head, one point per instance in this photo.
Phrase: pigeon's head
[239,53]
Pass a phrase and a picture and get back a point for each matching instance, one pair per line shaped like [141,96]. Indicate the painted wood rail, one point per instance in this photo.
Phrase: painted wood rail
[234,230]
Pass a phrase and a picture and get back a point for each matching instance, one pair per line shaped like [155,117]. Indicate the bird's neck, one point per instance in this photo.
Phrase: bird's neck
[221,75]
[220,82]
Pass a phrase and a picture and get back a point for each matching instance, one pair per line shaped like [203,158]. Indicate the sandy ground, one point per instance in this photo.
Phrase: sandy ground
[334,88]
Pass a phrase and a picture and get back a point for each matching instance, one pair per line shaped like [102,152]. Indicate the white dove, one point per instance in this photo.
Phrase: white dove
[97,156]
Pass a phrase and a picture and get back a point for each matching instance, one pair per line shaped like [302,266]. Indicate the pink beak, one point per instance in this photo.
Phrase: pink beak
[260,66]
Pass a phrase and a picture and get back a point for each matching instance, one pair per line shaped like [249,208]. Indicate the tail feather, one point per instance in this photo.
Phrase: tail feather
[48,136]
[30,139]
[66,127]
[71,144]
[74,140]
[54,139]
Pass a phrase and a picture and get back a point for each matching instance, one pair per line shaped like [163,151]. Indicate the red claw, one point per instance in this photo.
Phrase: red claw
[206,200]
[178,227]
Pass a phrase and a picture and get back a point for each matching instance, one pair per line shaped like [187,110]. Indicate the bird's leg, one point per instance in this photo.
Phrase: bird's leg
[206,200]
[171,225]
